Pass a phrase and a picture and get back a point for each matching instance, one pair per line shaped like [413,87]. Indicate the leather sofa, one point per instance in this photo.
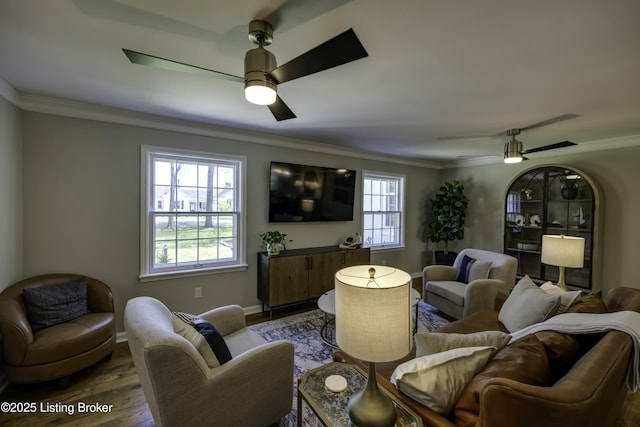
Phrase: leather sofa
[587,386]
[56,351]
[459,299]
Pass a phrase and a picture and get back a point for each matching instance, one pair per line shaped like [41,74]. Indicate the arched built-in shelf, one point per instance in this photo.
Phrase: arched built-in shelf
[553,199]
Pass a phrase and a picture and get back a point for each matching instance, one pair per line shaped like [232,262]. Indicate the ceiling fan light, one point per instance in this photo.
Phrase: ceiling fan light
[513,151]
[259,94]
[258,87]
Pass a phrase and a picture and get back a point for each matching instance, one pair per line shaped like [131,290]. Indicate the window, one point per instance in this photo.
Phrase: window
[192,212]
[383,210]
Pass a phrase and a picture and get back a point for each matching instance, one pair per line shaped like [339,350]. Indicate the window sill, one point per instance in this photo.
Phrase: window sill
[152,277]
[387,248]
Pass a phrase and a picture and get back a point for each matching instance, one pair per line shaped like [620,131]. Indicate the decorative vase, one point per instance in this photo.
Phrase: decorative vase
[569,190]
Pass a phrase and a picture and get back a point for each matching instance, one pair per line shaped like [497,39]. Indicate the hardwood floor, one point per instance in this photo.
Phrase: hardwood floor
[113,382]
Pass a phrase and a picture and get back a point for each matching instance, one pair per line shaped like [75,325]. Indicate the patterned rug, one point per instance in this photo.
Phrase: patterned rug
[303,330]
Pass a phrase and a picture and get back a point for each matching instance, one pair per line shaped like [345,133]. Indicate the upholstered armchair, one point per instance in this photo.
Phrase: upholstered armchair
[253,388]
[471,284]
[52,347]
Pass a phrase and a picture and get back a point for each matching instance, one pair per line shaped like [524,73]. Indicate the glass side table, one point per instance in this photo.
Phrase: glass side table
[330,407]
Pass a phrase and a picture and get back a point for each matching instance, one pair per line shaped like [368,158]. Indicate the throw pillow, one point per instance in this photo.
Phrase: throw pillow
[527,304]
[563,350]
[524,361]
[204,337]
[54,304]
[437,380]
[436,342]
[471,269]
[566,298]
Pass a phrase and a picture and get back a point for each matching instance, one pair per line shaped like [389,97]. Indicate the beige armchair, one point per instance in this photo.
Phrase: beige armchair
[458,299]
[55,352]
[254,388]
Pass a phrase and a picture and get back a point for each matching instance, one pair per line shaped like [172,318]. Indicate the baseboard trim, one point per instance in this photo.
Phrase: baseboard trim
[121,337]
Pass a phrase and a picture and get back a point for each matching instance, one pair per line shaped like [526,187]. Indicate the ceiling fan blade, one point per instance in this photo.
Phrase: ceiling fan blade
[551,121]
[296,12]
[280,110]
[167,64]
[341,49]
[550,147]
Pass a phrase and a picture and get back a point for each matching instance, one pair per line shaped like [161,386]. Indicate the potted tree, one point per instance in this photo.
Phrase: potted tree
[274,241]
[448,215]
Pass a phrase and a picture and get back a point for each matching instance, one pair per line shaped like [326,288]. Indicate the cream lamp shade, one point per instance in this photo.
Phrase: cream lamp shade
[562,251]
[372,320]
[373,323]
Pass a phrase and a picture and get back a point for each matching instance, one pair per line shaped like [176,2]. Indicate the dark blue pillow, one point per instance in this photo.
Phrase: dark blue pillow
[214,339]
[465,269]
[53,304]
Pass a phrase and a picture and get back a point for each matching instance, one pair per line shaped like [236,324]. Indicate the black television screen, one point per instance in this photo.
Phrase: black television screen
[300,193]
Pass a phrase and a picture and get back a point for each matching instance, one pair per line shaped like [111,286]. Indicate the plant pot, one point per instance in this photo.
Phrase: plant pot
[273,249]
[443,258]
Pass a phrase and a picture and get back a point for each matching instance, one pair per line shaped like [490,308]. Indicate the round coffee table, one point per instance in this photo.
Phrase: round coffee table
[327,303]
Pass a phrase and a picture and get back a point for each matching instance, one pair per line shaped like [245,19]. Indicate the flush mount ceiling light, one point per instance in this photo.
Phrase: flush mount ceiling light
[513,148]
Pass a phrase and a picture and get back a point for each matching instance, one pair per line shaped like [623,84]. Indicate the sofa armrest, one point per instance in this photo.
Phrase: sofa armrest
[590,394]
[258,382]
[99,297]
[480,295]
[227,319]
[439,272]
[15,329]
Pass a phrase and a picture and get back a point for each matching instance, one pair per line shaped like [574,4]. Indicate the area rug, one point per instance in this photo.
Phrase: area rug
[303,330]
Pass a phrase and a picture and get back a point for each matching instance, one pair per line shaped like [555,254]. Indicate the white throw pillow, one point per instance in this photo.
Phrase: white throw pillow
[181,326]
[527,304]
[437,380]
[566,298]
[436,342]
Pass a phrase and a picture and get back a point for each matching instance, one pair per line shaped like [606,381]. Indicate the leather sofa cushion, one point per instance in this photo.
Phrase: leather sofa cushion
[480,321]
[69,339]
[563,350]
[524,360]
[589,303]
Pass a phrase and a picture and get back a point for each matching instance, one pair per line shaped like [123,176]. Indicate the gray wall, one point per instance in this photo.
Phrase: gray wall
[82,197]
[10,194]
[617,175]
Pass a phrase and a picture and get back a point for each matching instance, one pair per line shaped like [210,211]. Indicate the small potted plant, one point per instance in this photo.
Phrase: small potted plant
[274,240]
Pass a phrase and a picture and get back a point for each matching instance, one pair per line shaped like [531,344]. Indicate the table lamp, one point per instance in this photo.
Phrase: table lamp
[563,251]
[373,324]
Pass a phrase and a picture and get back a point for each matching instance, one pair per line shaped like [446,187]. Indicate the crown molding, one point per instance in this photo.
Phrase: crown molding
[9,93]
[76,109]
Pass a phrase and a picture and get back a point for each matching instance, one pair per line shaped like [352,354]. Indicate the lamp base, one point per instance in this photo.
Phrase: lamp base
[371,408]
[561,284]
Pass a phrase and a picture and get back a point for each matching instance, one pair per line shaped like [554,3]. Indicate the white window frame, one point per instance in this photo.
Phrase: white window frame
[148,210]
[400,179]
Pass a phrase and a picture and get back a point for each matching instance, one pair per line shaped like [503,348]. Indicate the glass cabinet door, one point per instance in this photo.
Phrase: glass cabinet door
[550,200]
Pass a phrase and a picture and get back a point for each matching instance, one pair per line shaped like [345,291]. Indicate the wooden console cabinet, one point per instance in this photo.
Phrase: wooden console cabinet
[300,275]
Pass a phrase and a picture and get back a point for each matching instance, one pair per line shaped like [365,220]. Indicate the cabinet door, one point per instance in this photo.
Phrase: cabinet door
[356,257]
[288,279]
[322,272]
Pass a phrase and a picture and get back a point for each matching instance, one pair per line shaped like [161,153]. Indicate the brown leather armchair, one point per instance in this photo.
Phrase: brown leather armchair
[57,351]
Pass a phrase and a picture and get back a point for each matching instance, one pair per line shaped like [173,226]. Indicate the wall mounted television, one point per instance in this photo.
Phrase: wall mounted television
[301,193]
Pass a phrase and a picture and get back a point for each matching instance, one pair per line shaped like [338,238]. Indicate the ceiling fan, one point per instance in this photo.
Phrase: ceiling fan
[513,149]
[261,73]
